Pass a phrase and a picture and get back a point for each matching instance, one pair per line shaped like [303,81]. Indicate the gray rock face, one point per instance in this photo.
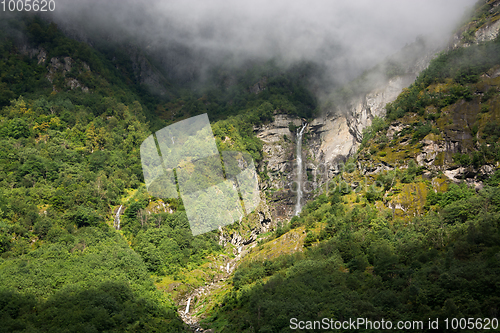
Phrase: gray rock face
[363,109]
[63,67]
[54,66]
[38,52]
[147,73]
[341,130]
[488,32]
[484,33]
[445,149]
[260,221]
[278,141]
[278,163]
[329,139]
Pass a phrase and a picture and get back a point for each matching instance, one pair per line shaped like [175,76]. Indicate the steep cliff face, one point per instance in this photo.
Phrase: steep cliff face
[331,137]
[329,140]
[484,26]
[337,134]
[277,167]
[363,109]
[148,74]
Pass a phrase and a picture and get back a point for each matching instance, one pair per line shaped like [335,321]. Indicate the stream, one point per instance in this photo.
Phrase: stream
[116,223]
[300,133]
[187,306]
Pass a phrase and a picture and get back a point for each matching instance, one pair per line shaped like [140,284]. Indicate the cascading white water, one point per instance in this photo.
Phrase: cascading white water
[298,207]
[116,223]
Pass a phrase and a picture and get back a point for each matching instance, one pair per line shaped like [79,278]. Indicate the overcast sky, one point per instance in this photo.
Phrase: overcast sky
[358,32]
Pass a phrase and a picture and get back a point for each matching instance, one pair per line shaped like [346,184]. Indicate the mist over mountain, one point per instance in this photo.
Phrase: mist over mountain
[188,37]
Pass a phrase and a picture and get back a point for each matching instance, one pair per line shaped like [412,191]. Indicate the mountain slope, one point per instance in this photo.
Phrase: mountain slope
[390,237]
[393,237]
[71,124]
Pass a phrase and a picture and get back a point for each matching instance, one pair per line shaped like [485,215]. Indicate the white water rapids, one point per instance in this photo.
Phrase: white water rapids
[300,133]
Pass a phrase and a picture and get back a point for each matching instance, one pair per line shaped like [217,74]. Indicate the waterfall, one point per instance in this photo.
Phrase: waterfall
[116,223]
[187,307]
[299,168]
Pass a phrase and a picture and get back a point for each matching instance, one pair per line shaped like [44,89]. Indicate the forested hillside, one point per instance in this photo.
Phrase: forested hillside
[407,229]
[67,156]
[71,123]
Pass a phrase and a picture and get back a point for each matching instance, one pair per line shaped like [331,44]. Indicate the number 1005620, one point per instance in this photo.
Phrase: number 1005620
[28,5]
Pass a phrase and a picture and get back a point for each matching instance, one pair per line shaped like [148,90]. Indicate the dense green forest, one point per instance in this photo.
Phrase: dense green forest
[359,262]
[63,166]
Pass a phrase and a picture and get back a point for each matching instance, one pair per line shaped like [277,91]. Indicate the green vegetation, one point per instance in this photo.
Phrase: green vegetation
[62,171]
[101,284]
[378,125]
[442,264]
[69,156]
[22,75]
[110,307]
[66,159]
[434,253]
[164,240]
[282,90]
[62,167]
[462,65]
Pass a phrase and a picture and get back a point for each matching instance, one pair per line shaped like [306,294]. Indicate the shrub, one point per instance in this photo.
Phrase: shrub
[373,194]
[84,217]
[462,159]
[421,131]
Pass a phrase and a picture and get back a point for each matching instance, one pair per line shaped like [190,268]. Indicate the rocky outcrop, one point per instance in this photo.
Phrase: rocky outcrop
[278,142]
[57,67]
[437,156]
[38,52]
[278,165]
[258,222]
[329,140]
[363,109]
[259,86]
[478,31]
[487,32]
[147,73]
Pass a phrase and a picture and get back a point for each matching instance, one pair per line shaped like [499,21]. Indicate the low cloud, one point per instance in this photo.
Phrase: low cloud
[346,37]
